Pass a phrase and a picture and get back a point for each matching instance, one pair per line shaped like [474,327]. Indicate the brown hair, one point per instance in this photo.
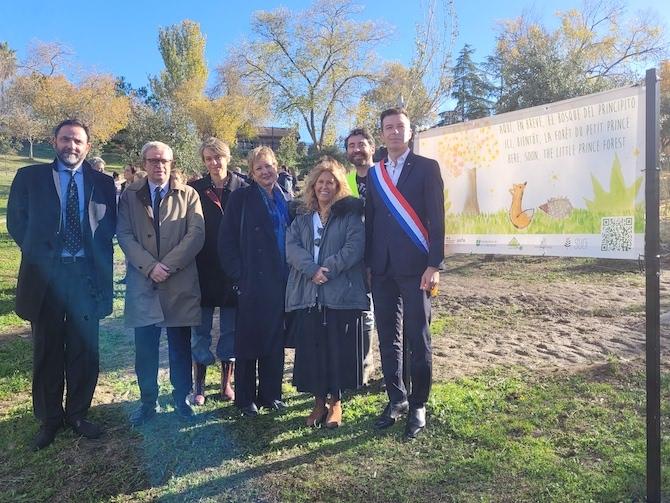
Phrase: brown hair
[392,111]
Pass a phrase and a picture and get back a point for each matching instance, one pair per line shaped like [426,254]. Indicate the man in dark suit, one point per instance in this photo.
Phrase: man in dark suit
[404,220]
[63,217]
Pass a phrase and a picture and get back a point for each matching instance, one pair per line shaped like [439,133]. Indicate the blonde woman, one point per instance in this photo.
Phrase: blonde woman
[252,240]
[326,289]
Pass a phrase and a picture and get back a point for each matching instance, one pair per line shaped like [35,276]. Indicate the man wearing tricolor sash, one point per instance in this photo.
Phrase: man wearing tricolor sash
[404,220]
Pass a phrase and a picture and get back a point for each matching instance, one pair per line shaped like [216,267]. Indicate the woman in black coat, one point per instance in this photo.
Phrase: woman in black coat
[252,250]
[216,288]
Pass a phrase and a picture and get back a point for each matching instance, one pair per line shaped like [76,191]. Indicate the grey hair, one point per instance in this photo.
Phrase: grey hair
[95,161]
[155,144]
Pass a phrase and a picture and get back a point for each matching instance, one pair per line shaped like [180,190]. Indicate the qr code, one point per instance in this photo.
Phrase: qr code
[616,234]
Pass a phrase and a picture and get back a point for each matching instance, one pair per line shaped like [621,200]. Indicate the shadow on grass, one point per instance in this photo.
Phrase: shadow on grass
[72,468]
[188,460]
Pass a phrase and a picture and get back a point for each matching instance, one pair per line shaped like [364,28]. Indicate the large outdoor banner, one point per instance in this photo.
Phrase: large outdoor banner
[564,179]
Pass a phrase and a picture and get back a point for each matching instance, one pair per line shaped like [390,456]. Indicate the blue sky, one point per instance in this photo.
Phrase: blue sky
[120,37]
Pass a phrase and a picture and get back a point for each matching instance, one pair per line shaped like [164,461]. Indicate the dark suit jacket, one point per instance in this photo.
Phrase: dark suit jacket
[251,258]
[387,244]
[215,286]
[34,222]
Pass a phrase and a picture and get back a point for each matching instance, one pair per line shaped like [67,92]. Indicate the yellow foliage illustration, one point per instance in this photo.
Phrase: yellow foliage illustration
[469,149]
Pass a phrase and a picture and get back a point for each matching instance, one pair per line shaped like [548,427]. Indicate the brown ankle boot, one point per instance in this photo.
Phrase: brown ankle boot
[334,418]
[318,413]
[227,392]
[199,374]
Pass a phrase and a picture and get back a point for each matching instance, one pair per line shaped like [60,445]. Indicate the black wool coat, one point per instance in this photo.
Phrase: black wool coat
[216,288]
[250,257]
[34,222]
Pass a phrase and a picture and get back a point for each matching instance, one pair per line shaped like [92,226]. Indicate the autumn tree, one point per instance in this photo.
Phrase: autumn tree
[182,48]
[665,109]
[314,63]
[423,86]
[594,48]
[39,96]
[224,111]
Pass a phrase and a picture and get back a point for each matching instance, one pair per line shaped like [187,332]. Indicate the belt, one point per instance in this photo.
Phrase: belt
[72,260]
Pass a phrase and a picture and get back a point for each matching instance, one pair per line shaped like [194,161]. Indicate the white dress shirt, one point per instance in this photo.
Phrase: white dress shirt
[395,168]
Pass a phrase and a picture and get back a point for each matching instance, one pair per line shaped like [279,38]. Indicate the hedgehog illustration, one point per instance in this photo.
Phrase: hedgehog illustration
[557,207]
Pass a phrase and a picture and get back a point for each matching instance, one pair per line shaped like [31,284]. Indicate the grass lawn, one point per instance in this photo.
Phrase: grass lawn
[503,435]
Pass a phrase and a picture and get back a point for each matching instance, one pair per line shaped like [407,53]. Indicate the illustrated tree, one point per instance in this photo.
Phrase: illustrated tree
[471,89]
[463,153]
[313,63]
[593,48]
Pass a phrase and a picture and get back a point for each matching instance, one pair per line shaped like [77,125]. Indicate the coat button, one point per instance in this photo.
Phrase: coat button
[149,235]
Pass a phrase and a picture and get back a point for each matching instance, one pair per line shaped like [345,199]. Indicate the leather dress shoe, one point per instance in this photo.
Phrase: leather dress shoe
[391,413]
[46,435]
[275,405]
[144,414]
[85,428]
[249,410]
[416,421]
[183,410]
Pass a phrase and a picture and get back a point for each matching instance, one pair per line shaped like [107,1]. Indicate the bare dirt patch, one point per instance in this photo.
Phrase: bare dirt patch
[542,314]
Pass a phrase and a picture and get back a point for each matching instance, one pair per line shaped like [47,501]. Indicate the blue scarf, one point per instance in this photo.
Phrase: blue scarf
[278,210]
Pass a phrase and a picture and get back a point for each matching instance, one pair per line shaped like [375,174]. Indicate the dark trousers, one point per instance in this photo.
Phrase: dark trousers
[270,374]
[146,362]
[65,346]
[399,304]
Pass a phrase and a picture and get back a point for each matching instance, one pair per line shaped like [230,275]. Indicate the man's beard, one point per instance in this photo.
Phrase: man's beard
[69,159]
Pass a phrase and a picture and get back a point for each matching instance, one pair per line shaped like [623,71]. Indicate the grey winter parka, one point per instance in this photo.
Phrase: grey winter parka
[341,251]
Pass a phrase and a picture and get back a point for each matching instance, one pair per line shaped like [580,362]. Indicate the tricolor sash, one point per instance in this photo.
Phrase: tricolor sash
[398,206]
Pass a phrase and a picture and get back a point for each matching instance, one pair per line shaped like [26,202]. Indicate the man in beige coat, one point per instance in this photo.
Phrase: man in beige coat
[161,229]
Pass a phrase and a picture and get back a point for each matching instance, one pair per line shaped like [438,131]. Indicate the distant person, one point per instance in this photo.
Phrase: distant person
[128,175]
[117,184]
[326,290]
[285,180]
[360,147]
[161,230]
[63,216]
[404,250]
[216,288]
[237,171]
[252,247]
[97,163]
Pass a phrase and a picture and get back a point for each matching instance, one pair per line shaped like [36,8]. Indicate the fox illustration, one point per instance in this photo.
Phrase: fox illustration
[519,218]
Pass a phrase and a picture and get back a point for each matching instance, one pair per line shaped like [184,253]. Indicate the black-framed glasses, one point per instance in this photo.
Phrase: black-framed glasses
[317,241]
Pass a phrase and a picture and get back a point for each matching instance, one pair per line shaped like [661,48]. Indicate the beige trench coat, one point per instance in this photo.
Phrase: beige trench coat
[176,301]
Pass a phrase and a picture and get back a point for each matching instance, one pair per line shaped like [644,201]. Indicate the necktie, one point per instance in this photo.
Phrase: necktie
[72,235]
[157,212]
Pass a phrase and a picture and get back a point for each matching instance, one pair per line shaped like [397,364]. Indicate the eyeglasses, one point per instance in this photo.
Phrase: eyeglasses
[156,162]
[317,241]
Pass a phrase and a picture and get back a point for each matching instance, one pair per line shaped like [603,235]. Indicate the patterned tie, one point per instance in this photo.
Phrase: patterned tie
[72,235]
[157,212]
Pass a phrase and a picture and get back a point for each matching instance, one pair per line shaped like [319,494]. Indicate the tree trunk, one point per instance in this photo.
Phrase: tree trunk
[471,206]
[31,157]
